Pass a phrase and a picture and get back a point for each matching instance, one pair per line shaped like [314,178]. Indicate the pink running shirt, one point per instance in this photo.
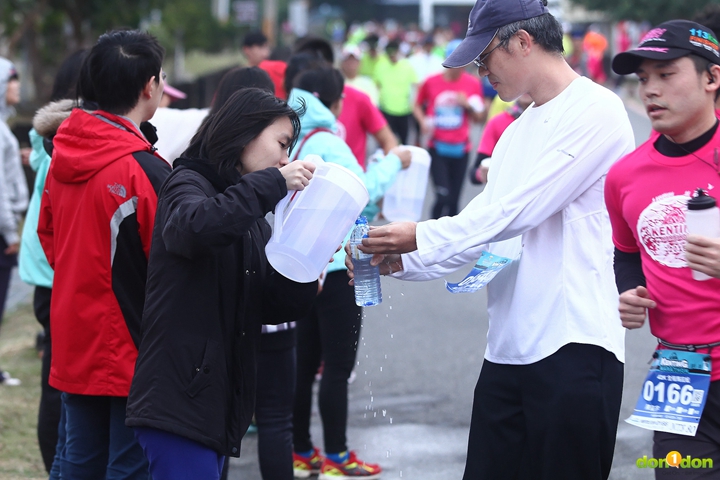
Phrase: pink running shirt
[450,121]
[358,118]
[646,193]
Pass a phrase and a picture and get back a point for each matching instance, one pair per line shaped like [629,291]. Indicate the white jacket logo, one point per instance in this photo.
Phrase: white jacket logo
[118,190]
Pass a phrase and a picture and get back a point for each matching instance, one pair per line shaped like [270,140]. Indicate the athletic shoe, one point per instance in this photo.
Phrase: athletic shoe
[304,466]
[7,379]
[349,469]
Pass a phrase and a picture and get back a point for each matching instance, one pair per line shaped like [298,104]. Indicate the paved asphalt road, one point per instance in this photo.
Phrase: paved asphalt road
[418,362]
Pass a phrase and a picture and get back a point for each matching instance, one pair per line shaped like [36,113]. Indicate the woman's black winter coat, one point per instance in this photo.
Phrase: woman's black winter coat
[209,290]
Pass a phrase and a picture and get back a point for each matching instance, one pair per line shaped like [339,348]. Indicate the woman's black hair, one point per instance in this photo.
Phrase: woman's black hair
[298,63]
[316,45]
[66,79]
[239,78]
[221,140]
[325,83]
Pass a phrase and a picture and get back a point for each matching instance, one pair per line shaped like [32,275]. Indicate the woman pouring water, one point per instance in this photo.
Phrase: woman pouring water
[192,396]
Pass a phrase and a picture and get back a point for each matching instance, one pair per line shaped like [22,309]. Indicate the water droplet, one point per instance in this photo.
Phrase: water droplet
[364,415]
[365,372]
[371,399]
[386,355]
[384,412]
[390,419]
[390,307]
[374,414]
[387,454]
[400,473]
[370,383]
[392,336]
[381,369]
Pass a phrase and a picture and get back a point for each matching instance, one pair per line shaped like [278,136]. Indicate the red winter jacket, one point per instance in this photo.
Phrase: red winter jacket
[96,221]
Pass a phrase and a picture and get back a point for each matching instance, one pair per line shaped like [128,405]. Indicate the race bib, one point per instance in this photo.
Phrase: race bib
[674,393]
[482,273]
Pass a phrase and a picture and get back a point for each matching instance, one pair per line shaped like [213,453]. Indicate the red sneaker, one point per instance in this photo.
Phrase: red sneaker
[349,469]
[304,466]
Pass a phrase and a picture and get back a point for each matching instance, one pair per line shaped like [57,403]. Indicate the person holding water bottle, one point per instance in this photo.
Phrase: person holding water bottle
[649,195]
[330,334]
[210,287]
[548,397]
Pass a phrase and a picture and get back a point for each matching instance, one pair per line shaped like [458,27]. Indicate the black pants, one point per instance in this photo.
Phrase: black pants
[329,334]
[448,175]
[705,443]
[50,400]
[553,419]
[4,287]
[400,125]
[274,412]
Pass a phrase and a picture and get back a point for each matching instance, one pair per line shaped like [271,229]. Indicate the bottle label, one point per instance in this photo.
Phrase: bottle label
[482,273]
[674,393]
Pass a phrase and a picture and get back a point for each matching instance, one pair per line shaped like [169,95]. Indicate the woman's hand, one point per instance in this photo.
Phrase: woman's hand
[403,154]
[297,174]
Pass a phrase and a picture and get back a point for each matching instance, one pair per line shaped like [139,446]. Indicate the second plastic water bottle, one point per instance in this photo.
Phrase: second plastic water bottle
[367,277]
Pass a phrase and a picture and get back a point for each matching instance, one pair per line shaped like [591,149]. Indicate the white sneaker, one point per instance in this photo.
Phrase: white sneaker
[7,379]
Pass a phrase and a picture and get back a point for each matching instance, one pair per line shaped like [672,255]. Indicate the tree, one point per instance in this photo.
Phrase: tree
[654,11]
[49,30]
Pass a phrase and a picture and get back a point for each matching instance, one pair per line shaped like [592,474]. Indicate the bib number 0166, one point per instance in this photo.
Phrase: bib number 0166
[674,392]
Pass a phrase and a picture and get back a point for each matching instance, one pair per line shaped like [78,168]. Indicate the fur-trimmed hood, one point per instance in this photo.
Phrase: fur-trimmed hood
[47,120]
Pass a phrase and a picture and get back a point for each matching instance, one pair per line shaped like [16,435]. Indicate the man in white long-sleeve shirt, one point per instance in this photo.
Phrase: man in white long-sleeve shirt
[547,401]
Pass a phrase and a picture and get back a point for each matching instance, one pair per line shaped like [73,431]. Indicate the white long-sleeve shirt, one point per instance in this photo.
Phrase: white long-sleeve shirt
[544,200]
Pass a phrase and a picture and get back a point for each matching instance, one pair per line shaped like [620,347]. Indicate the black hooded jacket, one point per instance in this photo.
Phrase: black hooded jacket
[209,290]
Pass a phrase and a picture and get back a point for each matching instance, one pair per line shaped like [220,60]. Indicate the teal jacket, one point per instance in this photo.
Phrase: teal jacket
[33,266]
[331,148]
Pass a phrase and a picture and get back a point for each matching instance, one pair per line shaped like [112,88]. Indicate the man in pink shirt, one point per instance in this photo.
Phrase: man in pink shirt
[359,118]
[646,192]
[445,104]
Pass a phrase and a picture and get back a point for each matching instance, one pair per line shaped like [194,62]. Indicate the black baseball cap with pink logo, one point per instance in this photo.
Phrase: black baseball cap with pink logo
[668,41]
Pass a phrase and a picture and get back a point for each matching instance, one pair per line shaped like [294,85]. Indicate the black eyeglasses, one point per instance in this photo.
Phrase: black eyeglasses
[480,62]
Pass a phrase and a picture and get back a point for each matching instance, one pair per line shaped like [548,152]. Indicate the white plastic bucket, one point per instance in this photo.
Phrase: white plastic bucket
[404,200]
[311,224]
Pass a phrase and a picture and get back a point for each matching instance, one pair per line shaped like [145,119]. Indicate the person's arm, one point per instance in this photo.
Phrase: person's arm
[147,190]
[553,182]
[379,175]
[386,139]
[421,101]
[45,224]
[419,114]
[8,222]
[199,222]
[473,106]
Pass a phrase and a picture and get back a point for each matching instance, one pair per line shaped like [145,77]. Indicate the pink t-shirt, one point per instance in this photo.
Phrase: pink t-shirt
[439,97]
[493,129]
[358,118]
[646,193]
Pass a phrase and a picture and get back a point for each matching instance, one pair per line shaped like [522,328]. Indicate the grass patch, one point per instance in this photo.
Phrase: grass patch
[19,451]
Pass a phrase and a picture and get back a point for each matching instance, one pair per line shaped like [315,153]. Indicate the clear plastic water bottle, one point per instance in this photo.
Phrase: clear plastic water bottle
[367,278]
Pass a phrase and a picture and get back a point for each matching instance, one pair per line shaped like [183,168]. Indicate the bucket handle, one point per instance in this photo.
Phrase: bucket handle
[284,205]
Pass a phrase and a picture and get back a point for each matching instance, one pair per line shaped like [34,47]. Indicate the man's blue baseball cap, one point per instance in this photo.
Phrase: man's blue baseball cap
[486,17]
